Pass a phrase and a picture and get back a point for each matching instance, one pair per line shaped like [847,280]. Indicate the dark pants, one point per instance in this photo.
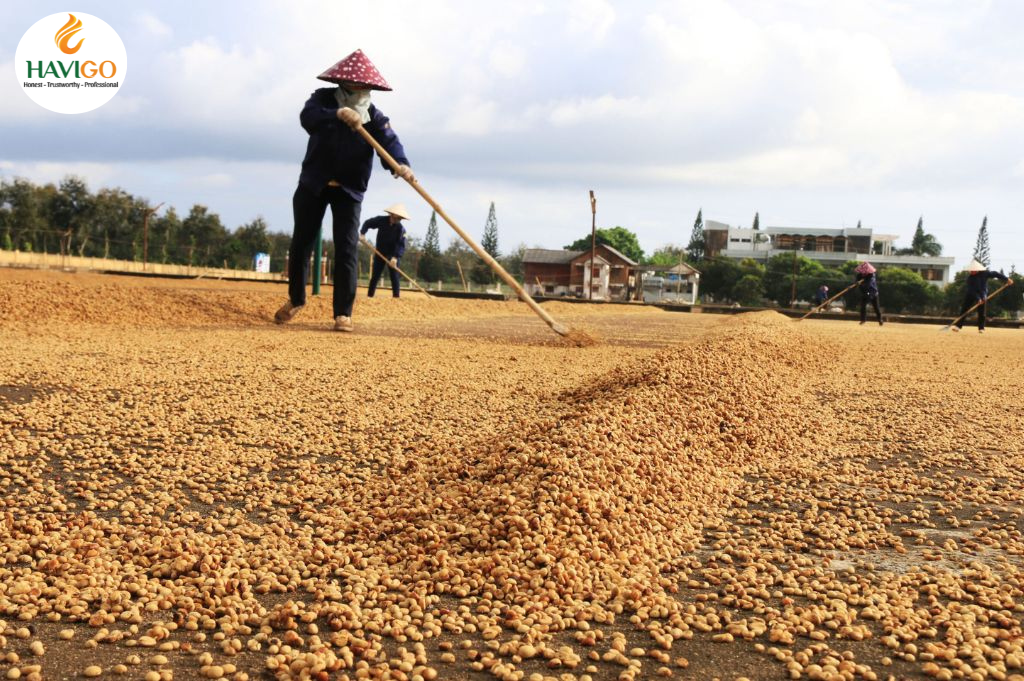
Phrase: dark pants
[309,209]
[864,308]
[970,301]
[376,270]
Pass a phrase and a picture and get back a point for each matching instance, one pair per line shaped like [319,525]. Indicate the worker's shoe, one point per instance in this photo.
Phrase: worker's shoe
[342,323]
[287,312]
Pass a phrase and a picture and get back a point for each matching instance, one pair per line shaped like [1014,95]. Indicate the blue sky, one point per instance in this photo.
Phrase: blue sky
[810,113]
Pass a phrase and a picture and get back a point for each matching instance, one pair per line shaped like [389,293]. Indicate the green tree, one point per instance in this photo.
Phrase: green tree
[251,238]
[748,290]
[23,203]
[458,254]
[482,272]
[923,243]
[116,225]
[70,211]
[513,261]
[279,245]
[619,238]
[780,272]
[163,234]
[981,252]
[668,255]
[695,249]
[201,236]
[902,290]
[757,221]
[429,267]
[718,277]
[1010,302]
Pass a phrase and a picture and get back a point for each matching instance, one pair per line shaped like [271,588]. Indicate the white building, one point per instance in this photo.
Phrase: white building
[829,246]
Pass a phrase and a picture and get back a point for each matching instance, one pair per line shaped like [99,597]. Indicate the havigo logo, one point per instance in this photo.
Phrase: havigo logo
[77,85]
[66,33]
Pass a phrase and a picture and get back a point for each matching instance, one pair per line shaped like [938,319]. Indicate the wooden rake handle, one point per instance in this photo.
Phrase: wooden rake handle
[394,267]
[1008,284]
[560,329]
[828,301]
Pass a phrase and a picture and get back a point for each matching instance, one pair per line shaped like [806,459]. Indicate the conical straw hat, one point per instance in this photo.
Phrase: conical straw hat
[356,68]
[975,266]
[398,210]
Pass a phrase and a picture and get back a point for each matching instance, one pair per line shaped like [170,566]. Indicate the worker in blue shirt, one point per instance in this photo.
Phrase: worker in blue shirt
[335,173]
[977,291]
[390,243]
[867,283]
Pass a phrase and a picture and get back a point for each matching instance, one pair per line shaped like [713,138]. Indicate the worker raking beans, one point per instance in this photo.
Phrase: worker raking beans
[336,172]
[390,245]
[868,285]
[977,292]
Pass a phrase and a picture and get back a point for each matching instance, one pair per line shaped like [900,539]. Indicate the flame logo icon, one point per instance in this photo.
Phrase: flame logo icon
[66,33]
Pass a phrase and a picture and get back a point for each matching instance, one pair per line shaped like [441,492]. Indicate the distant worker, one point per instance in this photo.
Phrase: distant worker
[336,172]
[390,242]
[868,285]
[821,295]
[977,292]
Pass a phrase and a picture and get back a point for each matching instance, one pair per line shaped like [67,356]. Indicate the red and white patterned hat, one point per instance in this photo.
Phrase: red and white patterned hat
[356,68]
[864,268]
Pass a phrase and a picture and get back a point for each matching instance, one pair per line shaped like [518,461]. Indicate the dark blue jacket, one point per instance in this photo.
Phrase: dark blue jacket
[390,237]
[868,284]
[977,283]
[337,152]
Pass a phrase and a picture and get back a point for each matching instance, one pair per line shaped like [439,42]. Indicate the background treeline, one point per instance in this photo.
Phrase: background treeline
[771,282]
[67,218]
[111,223]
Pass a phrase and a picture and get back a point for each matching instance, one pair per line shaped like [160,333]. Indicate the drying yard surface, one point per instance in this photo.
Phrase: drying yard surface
[188,491]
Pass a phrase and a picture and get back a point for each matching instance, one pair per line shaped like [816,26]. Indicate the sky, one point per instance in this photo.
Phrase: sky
[810,113]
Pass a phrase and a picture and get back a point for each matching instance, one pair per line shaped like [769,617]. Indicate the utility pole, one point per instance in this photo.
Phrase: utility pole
[317,264]
[593,242]
[145,234]
[792,294]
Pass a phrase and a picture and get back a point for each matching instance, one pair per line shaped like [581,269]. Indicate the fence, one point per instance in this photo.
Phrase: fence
[74,262]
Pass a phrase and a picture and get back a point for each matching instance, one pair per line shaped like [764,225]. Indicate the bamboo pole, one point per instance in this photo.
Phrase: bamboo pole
[1008,284]
[825,304]
[412,281]
[465,286]
[558,328]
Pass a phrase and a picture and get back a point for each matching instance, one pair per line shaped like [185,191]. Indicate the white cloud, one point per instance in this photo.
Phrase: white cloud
[606,108]
[153,26]
[903,107]
[507,59]
[591,19]
[472,116]
[96,175]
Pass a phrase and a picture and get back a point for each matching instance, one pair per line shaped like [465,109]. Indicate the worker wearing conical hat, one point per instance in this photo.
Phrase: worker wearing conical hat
[977,291]
[335,172]
[390,243]
[867,283]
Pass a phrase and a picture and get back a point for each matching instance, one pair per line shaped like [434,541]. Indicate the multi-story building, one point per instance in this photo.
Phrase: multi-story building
[829,246]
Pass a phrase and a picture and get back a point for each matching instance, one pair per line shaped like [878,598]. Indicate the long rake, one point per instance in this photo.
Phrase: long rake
[1008,284]
[366,242]
[558,328]
[825,304]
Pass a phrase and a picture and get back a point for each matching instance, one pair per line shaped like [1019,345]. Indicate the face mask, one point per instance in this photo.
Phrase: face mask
[358,100]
